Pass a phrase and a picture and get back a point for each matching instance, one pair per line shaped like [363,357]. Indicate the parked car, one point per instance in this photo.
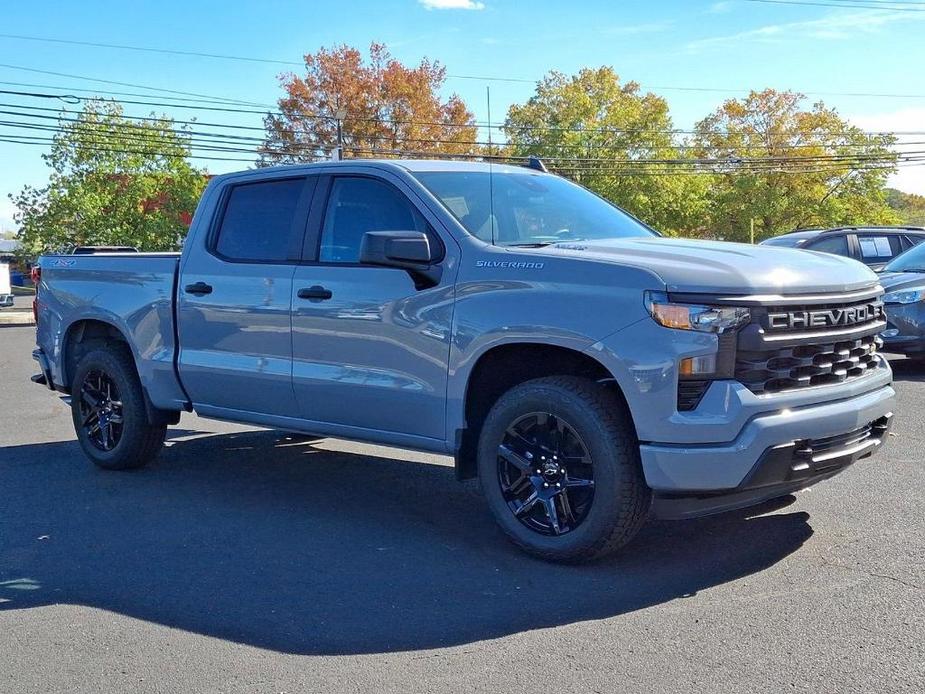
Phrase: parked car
[588,371]
[873,246]
[6,290]
[904,282]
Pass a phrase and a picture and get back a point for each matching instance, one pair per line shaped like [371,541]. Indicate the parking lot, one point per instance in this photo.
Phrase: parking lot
[251,561]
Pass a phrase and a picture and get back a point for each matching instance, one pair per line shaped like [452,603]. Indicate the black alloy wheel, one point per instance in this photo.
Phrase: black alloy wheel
[546,474]
[101,410]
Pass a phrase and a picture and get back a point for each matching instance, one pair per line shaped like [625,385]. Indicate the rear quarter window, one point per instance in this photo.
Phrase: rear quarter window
[879,247]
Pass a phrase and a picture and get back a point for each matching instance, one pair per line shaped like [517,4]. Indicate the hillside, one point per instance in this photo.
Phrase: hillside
[910,207]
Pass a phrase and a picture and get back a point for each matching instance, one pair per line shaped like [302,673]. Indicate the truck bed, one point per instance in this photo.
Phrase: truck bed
[133,291]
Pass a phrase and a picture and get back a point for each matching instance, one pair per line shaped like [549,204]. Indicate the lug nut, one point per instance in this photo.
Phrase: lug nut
[545,484]
[558,486]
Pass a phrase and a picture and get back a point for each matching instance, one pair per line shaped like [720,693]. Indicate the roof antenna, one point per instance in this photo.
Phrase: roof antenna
[491,183]
[537,163]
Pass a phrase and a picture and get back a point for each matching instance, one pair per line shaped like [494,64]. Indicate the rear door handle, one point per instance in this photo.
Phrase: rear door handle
[315,293]
[199,289]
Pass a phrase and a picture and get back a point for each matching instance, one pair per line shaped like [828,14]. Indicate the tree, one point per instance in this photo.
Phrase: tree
[113,181]
[786,168]
[386,107]
[909,207]
[605,134]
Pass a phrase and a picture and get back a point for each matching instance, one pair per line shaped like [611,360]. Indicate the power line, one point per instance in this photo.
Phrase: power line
[841,3]
[481,78]
[126,47]
[202,139]
[122,84]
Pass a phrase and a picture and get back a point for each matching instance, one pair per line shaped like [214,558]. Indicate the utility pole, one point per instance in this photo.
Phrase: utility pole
[339,116]
[753,230]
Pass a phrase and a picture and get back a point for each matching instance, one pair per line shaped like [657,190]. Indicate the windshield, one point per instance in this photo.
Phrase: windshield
[912,260]
[529,208]
[788,241]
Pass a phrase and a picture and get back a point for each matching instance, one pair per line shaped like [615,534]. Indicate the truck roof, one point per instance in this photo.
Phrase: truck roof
[412,165]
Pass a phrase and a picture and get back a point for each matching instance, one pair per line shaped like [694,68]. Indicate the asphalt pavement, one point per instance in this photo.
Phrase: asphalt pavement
[246,560]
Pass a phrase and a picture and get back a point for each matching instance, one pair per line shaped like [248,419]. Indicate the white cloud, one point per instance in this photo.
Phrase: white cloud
[835,26]
[452,4]
[909,178]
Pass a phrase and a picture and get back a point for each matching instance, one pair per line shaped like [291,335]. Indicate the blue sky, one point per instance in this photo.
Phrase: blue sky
[681,50]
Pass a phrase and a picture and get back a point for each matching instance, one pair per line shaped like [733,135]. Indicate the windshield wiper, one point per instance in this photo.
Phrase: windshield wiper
[531,244]
[910,269]
[541,244]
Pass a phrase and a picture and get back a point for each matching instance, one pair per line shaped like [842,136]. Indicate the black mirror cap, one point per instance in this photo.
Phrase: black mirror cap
[407,249]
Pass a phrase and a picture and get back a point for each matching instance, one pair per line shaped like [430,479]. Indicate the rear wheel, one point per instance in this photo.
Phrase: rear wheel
[559,466]
[108,409]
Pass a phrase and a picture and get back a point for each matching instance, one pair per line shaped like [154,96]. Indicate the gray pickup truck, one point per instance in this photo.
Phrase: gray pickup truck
[590,372]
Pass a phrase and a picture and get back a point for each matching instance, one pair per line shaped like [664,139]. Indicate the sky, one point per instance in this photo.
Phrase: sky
[867,63]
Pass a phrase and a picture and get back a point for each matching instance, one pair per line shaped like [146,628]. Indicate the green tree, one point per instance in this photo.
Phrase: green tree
[786,168]
[605,135]
[909,207]
[113,181]
[385,106]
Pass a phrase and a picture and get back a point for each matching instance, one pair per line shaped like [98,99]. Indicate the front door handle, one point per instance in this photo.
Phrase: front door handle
[199,289]
[315,293]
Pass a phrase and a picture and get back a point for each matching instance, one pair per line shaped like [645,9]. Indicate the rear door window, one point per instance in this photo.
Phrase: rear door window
[261,222]
[829,244]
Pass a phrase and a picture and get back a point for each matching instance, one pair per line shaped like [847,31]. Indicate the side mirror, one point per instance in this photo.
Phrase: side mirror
[408,250]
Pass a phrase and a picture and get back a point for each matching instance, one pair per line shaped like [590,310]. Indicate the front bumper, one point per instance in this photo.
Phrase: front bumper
[774,454]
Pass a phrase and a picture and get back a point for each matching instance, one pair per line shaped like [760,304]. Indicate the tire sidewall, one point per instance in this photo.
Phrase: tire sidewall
[609,471]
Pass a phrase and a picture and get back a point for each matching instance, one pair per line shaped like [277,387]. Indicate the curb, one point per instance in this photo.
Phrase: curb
[16,318]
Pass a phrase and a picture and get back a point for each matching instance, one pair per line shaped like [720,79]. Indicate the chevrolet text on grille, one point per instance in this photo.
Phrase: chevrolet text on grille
[824,318]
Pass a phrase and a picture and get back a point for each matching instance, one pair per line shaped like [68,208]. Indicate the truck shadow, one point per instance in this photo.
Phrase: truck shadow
[268,541]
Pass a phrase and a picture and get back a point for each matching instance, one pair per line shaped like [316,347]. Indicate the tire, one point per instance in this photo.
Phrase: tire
[132,442]
[601,426]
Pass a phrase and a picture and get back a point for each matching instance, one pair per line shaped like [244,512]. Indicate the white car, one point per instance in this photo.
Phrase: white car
[6,291]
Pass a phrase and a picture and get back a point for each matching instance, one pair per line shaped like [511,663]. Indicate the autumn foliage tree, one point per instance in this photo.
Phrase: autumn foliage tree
[388,108]
[787,167]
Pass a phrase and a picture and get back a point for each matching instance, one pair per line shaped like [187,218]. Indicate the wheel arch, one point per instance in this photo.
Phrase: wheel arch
[87,330]
[500,368]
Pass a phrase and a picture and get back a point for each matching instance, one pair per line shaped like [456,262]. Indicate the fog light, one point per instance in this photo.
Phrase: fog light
[697,366]
[889,332]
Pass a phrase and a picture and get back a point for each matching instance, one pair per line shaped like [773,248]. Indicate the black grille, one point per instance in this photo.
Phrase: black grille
[690,393]
[839,441]
[806,365]
[800,345]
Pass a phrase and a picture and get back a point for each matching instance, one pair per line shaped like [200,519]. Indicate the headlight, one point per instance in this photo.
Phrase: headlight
[905,296]
[707,319]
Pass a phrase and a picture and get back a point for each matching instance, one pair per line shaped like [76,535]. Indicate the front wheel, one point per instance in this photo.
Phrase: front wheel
[559,465]
[108,409]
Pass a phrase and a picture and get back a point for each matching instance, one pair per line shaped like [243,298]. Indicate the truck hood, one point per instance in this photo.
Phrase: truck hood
[691,265]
